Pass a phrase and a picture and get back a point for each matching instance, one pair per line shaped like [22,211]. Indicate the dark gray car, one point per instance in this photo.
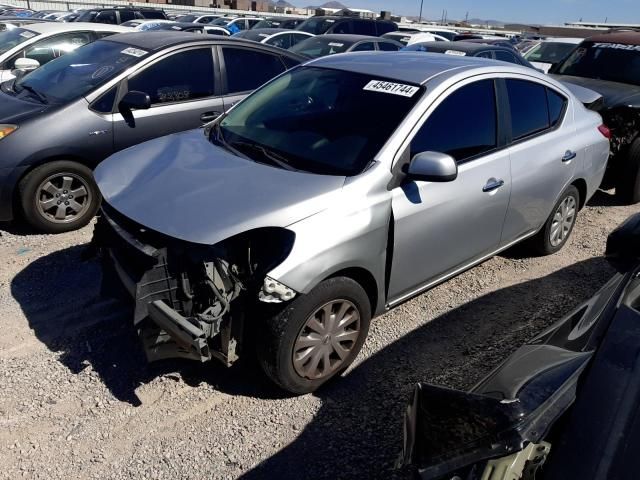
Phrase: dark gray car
[59,122]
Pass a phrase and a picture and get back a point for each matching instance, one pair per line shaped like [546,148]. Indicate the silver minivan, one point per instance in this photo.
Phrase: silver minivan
[340,189]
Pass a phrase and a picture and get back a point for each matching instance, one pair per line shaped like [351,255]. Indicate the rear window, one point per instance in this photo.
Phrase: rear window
[550,52]
[320,46]
[614,62]
[316,25]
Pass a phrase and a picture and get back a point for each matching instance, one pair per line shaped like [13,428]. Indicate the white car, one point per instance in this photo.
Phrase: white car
[409,38]
[140,25]
[39,43]
[551,51]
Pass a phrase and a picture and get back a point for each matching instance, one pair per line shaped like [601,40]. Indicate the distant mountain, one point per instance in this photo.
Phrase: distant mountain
[329,5]
[281,4]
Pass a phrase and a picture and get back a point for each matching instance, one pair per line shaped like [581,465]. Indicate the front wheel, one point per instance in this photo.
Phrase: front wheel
[59,196]
[315,337]
[559,225]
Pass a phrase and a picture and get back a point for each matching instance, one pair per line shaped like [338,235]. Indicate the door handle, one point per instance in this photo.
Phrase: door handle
[568,156]
[493,184]
[209,116]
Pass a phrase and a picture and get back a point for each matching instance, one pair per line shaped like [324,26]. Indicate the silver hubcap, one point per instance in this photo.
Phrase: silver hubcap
[326,340]
[63,197]
[563,221]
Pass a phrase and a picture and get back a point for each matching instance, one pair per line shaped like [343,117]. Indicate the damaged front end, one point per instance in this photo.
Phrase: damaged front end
[190,300]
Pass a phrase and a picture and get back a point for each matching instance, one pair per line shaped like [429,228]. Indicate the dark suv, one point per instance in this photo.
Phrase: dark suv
[610,65]
[320,25]
[117,15]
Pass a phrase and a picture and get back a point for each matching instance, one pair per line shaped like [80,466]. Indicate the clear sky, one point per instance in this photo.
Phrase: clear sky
[526,11]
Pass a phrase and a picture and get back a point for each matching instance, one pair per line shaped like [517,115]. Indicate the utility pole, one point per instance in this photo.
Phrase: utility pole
[421,4]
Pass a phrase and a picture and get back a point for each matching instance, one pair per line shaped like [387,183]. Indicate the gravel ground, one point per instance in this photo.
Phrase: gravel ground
[78,401]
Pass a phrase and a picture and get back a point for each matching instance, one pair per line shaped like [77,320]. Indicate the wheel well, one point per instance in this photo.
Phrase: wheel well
[581,185]
[366,281]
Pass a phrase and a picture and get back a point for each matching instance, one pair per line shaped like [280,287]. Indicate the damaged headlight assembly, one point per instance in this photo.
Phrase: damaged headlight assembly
[192,300]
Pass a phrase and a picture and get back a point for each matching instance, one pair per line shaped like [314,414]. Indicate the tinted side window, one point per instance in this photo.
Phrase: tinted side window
[105,103]
[289,62]
[342,27]
[528,105]
[486,54]
[385,27]
[556,107]
[505,56]
[297,38]
[53,47]
[364,47]
[248,69]
[186,75]
[126,15]
[463,125]
[280,41]
[363,27]
[388,47]
[107,16]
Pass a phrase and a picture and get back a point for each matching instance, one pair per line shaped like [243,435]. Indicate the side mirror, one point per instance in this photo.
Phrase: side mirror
[22,66]
[433,167]
[134,100]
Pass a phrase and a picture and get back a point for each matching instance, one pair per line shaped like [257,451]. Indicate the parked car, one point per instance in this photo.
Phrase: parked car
[16,12]
[288,23]
[118,15]
[610,65]
[563,406]
[468,49]
[54,16]
[198,18]
[410,38]
[61,120]
[70,16]
[448,34]
[143,24]
[305,210]
[320,25]
[278,37]
[551,51]
[42,13]
[30,46]
[330,44]
[498,42]
[235,25]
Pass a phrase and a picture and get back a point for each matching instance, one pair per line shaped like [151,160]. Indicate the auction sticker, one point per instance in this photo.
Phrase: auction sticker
[457,53]
[335,44]
[134,52]
[392,88]
[27,34]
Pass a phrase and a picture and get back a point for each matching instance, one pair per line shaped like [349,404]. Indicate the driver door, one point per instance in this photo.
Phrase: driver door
[443,227]
[184,95]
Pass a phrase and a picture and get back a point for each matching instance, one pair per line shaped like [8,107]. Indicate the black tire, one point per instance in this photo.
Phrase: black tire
[628,182]
[542,243]
[281,331]
[33,198]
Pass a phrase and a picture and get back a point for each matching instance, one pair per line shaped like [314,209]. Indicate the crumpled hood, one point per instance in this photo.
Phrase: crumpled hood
[613,93]
[183,186]
[16,110]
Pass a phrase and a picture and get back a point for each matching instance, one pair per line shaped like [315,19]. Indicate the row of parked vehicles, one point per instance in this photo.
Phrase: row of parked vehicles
[318,194]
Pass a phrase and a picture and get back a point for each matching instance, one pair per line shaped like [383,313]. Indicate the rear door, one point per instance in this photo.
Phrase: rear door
[238,80]
[184,95]
[544,154]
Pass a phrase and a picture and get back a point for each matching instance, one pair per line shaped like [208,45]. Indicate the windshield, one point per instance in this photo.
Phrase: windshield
[14,37]
[81,71]
[319,47]
[550,52]
[221,21]
[317,120]
[316,25]
[604,61]
[267,24]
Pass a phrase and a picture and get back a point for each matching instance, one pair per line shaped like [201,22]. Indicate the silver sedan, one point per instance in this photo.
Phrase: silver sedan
[335,192]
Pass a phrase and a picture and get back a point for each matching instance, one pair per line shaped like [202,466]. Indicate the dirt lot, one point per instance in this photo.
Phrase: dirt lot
[78,401]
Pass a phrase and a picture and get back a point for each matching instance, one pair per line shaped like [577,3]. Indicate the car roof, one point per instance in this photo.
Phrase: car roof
[159,40]
[348,37]
[407,66]
[58,27]
[466,47]
[629,38]
[563,40]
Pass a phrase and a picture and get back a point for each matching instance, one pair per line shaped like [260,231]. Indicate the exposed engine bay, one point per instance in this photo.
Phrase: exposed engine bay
[624,123]
[191,300]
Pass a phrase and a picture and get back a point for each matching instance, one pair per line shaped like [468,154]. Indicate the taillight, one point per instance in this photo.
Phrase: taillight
[604,130]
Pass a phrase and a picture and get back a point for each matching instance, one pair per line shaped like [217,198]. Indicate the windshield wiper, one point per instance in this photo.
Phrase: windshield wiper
[273,157]
[37,94]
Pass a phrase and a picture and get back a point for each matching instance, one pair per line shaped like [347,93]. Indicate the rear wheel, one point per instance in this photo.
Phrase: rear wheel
[59,196]
[558,227]
[317,336]
[628,182]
